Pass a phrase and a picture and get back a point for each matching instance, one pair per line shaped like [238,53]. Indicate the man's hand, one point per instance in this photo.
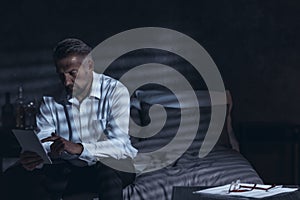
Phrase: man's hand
[30,160]
[60,144]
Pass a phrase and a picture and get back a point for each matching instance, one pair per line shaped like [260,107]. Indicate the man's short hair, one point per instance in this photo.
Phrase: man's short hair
[70,46]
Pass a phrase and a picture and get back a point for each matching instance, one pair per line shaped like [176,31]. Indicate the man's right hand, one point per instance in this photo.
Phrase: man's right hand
[30,160]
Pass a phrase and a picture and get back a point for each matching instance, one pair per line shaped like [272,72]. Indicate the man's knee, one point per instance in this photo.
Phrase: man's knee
[110,176]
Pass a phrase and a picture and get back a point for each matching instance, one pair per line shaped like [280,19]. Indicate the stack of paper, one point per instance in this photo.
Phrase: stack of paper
[261,192]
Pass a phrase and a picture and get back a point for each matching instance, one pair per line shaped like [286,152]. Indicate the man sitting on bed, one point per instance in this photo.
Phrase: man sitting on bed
[78,131]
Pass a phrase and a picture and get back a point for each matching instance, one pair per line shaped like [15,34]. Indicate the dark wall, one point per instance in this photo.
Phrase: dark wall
[254,43]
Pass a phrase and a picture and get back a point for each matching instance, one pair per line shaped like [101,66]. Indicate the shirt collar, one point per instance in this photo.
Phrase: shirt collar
[95,90]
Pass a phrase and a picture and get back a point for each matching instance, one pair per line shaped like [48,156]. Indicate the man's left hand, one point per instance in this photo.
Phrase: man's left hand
[60,144]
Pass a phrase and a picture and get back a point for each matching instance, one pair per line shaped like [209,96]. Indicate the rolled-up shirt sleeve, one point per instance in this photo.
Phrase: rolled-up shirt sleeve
[45,122]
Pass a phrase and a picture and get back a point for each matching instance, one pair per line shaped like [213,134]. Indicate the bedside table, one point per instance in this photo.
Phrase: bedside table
[273,150]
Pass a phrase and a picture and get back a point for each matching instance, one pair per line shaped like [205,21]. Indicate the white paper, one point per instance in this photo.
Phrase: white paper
[255,193]
[29,141]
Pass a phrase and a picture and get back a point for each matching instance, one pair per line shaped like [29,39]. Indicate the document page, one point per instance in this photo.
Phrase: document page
[262,192]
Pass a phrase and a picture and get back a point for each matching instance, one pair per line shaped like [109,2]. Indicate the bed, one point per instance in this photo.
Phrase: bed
[222,165]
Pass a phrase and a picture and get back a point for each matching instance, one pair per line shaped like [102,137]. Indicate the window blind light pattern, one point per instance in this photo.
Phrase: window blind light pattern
[34,71]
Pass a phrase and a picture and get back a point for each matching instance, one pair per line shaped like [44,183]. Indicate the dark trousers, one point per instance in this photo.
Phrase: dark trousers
[58,180]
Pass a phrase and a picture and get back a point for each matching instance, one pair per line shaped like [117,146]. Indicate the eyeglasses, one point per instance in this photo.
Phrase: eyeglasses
[236,186]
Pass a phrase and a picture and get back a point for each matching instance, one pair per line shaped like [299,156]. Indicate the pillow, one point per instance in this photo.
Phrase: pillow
[166,134]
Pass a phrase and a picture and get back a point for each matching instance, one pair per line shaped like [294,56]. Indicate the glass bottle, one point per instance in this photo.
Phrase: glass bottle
[19,109]
[30,114]
[7,112]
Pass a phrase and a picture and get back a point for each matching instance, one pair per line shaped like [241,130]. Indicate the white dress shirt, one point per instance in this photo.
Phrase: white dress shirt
[100,122]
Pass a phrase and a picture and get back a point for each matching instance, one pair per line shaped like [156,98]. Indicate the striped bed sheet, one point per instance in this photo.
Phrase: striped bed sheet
[219,167]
